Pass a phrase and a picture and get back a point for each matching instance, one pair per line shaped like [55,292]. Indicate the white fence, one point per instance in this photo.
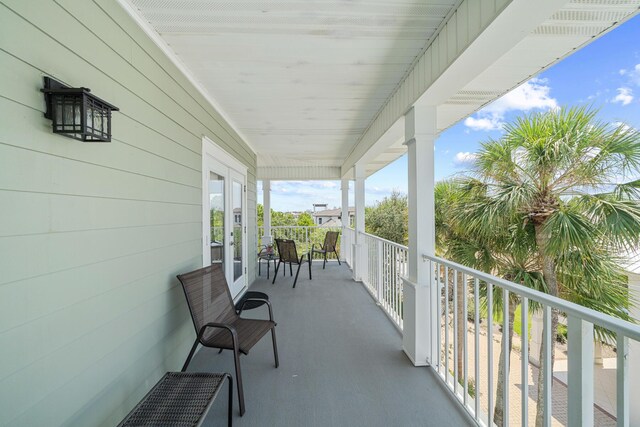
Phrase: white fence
[461,285]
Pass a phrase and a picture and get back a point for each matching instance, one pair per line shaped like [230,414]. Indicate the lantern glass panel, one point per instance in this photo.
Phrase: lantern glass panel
[76,113]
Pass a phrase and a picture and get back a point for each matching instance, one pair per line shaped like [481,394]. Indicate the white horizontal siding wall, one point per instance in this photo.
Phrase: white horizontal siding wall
[93,235]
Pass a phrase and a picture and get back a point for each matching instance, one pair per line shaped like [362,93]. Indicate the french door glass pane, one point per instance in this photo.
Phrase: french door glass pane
[237,229]
[216,206]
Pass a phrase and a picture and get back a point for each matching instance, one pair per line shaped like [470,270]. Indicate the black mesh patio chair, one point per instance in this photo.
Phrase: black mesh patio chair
[216,322]
[289,254]
[329,246]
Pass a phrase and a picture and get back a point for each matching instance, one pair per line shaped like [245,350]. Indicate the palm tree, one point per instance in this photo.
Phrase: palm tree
[565,176]
[505,252]
[562,178]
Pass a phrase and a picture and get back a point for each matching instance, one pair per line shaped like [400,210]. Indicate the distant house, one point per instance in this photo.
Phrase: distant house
[237,216]
[332,217]
[631,266]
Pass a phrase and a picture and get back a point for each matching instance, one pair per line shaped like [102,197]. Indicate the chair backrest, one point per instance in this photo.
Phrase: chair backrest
[287,251]
[208,296]
[330,241]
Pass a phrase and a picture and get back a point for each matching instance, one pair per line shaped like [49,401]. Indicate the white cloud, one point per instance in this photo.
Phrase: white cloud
[532,95]
[328,184]
[464,158]
[625,127]
[491,122]
[634,75]
[624,96]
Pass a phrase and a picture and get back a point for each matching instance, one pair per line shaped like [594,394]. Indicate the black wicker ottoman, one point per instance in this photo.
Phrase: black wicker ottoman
[179,399]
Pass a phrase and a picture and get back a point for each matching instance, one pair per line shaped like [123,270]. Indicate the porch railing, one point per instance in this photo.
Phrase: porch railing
[304,236]
[466,296]
[386,264]
[479,293]
[347,241]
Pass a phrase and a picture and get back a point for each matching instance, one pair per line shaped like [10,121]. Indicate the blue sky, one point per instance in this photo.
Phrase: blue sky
[604,75]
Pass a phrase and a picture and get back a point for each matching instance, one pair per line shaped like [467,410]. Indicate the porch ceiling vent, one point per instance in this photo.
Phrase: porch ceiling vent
[76,113]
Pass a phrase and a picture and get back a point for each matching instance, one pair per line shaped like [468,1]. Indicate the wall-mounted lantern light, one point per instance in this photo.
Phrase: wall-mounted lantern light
[76,113]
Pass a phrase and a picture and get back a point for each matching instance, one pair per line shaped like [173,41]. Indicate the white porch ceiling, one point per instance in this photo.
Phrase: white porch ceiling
[300,80]
[314,86]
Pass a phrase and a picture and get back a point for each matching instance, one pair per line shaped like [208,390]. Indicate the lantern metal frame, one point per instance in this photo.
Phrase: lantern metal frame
[77,113]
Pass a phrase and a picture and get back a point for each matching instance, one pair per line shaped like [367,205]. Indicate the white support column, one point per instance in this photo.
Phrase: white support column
[420,294]
[360,176]
[345,215]
[266,212]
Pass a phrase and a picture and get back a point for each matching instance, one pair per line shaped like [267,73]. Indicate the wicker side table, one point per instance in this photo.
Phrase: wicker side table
[179,399]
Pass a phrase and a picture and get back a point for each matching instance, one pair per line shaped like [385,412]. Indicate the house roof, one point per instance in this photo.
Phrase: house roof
[332,223]
[332,212]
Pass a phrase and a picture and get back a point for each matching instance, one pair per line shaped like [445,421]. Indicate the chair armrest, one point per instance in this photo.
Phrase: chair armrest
[231,329]
[266,301]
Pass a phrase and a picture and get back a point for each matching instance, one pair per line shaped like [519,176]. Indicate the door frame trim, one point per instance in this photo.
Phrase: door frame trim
[211,148]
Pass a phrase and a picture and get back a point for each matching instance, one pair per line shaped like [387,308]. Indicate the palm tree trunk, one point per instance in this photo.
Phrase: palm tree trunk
[498,414]
[551,280]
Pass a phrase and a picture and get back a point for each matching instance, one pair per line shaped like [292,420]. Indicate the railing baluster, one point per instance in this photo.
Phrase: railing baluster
[393,282]
[439,314]
[546,366]
[524,355]
[379,260]
[386,277]
[490,351]
[476,344]
[465,350]
[446,324]
[505,351]
[622,380]
[455,330]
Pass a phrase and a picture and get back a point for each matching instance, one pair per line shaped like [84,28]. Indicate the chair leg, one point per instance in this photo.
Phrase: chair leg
[276,273]
[220,351]
[325,260]
[309,267]
[338,257]
[275,346]
[236,360]
[193,350]
[297,272]
[291,269]
[230,410]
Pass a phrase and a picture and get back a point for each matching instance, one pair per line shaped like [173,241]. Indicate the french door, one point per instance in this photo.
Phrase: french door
[224,215]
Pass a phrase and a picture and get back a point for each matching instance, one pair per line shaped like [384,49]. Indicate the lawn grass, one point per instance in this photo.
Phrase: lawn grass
[517,321]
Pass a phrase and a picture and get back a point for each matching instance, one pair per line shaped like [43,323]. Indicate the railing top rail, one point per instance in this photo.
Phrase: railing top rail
[398,245]
[628,329]
[300,226]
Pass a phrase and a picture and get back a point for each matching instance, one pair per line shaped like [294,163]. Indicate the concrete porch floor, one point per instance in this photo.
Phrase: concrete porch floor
[341,362]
